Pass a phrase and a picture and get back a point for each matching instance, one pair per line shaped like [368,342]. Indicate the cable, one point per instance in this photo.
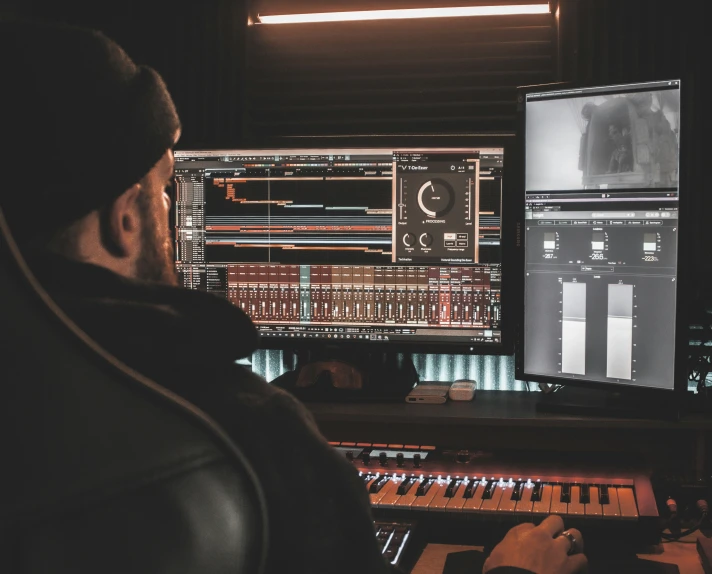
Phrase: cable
[672,505]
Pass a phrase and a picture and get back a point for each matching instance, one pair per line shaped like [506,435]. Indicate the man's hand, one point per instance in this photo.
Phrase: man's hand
[540,549]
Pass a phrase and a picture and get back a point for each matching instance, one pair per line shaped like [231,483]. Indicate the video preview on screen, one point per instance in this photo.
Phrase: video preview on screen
[601,234]
[606,141]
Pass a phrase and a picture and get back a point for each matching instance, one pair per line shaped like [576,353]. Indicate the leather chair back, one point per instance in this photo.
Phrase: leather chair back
[102,469]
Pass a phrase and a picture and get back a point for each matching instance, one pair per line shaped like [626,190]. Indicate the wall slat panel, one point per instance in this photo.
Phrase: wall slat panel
[441,75]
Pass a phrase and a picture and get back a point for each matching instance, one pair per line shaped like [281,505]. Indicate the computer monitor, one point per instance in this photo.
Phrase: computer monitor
[393,247]
[600,235]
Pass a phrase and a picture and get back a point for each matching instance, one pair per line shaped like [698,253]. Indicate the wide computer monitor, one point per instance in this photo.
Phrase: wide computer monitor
[398,248]
[600,235]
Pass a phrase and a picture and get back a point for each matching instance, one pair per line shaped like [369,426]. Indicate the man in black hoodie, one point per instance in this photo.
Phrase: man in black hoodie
[91,215]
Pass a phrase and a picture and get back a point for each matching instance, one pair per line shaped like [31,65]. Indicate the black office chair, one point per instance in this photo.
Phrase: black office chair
[104,471]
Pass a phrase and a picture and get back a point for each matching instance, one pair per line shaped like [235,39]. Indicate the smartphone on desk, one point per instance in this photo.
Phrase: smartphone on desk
[428,394]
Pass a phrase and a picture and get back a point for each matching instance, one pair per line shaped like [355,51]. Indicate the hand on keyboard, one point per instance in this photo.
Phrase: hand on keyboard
[543,549]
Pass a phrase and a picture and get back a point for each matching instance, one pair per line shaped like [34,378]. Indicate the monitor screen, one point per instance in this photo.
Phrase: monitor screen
[601,234]
[358,246]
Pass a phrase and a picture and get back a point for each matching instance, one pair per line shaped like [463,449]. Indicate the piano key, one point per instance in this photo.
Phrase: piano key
[475,501]
[390,487]
[585,493]
[543,505]
[440,500]
[507,503]
[557,506]
[593,508]
[536,491]
[612,509]
[452,487]
[425,486]
[407,499]
[576,507]
[406,484]
[489,489]
[566,492]
[368,480]
[471,487]
[393,495]
[525,503]
[378,484]
[458,500]
[423,501]
[517,490]
[626,501]
[603,494]
[492,504]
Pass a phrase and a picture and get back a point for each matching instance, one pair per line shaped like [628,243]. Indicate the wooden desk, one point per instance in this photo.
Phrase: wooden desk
[683,555]
[506,419]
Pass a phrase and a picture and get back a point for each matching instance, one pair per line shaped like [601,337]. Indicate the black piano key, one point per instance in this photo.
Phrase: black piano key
[470,488]
[377,485]
[452,487]
[367,477]
[425,486]
[565,492]
[489,490]
[585,497]
[603,496]
[406,485]
[517,491]
[536,492]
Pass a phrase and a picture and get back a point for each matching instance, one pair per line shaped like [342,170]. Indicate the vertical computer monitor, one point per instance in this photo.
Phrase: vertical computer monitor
[392,247]
[601,229]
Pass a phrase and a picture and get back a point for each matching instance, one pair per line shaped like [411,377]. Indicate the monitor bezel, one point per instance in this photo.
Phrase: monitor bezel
[679,388]
[435,141]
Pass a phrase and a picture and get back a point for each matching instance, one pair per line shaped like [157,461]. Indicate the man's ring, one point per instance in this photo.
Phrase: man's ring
[572,541]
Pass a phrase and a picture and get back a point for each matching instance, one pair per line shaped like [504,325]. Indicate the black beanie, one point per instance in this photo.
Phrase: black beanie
[80,123]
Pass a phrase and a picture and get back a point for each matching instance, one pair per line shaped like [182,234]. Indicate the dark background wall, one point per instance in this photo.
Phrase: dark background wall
[236,84]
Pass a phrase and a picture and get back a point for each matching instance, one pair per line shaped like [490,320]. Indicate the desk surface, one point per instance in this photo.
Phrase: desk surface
[681,554]
[489,408]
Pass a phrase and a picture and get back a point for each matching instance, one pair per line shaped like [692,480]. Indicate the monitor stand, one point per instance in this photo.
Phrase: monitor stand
[334,375]
[597,402]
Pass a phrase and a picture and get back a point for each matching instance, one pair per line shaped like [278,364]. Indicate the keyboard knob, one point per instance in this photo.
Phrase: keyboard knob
[462,456]
[400,459]
[350,455]
[416,460]
[383,459]
[365,457]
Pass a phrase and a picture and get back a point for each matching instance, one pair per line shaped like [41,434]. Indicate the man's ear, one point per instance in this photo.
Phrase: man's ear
[121,224]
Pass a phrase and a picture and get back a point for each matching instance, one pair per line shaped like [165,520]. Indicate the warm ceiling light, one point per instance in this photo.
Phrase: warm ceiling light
[407,13]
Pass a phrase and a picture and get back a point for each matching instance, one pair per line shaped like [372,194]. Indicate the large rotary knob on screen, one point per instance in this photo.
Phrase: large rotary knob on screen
[436,197]
[426,240]
[409,239]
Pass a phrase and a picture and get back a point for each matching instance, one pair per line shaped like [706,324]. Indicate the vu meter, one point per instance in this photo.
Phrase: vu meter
[436,206]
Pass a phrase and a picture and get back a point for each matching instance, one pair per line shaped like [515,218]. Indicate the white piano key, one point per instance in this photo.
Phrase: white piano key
[473,504]
[492,504]
[390,486]
[594,507]
[457,502]
[422,502]
[440,501]
[557,507]
[542,506]
[612,509]
[575,507]
[526,505]
[626,502]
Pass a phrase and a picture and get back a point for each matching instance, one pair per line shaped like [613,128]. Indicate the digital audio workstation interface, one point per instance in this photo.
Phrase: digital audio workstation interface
[601,233]
[360,244]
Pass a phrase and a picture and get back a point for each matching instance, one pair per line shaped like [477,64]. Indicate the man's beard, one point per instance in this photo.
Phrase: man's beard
[155,263]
